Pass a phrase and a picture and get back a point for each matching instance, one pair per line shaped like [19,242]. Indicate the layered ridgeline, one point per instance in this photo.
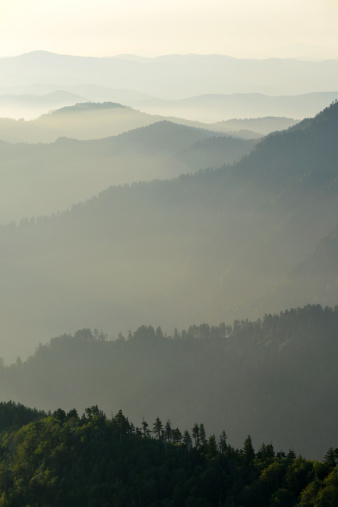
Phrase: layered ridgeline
[203,108]
[206,88]
[212,246]
[40,179]
[64,459]
[217,107]
[82,121]
[168,76]
[88,120]
[274,378]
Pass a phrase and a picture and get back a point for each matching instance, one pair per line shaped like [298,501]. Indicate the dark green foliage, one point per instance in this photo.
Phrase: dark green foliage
[274,377]
[248,450]
[66,460]
[16,415]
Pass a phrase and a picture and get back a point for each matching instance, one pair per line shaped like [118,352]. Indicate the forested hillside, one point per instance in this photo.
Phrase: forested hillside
[208,247]
[86,121]
[14,415]
[83,121]
[168,253]
[316,274]
[57,175]
[94,460]
[274,378]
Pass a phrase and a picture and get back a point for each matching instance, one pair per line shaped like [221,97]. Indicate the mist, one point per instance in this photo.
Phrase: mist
[212,245]
[168,253]
[160,232]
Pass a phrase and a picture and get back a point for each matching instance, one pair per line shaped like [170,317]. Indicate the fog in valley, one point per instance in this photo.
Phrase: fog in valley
[68,170]
[169,253]
[170,223]
[207,88]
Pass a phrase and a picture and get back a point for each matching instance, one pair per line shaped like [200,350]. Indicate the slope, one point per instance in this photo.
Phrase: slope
[202,247]
[314,278]
[81,121]
[274,378]
[85,121]
[44,178]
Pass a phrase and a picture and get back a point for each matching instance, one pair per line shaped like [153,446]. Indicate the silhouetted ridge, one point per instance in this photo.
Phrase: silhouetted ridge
[308,150]
[209,246]
[248,376]
[166,135]
[88,106]
[326,118]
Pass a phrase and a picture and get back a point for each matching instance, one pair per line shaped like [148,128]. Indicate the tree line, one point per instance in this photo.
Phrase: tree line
[66,459]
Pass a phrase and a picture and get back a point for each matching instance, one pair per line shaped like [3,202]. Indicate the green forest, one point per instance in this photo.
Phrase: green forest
[169,289]
[64,459]
[274,378]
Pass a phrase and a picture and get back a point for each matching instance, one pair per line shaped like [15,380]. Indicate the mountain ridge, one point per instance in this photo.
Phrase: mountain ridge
[246,360]
[175,76]
[69,170]
[210,245]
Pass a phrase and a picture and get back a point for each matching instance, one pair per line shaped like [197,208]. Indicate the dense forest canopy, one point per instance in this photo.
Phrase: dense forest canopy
[64,459]
[244,377]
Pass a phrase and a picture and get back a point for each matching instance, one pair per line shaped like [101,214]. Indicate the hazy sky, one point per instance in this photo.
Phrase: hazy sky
[242,28]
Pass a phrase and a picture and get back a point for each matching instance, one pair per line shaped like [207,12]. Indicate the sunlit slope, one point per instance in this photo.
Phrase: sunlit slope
[41,179]
[204,247]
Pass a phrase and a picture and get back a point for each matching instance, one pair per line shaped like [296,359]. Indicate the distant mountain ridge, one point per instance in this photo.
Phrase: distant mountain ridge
[59,174]
[93,120]
[299,149]
[209,246]
[205,88]
[218,107]
[84,121]
[264,125]
[88,106]
[174,76]
[209,108]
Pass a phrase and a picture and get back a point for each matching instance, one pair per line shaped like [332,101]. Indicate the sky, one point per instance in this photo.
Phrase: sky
[239,28]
